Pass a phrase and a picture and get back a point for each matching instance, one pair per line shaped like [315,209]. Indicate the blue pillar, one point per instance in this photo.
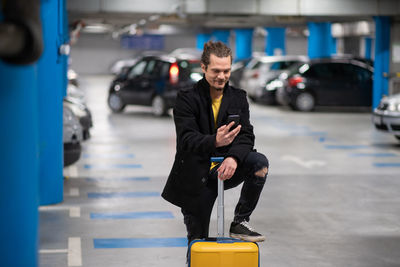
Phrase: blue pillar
[320,40]
[368,47]
[381,61]
[65,39]
[243,43]
[221,35]
[202,38]
[51,91]
[275,41]
[333,45]
[19,165]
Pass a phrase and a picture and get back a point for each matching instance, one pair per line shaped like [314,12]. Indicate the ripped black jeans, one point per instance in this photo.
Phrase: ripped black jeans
[197,223]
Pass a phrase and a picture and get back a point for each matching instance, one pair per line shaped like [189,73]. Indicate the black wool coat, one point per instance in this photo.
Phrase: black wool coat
[195,140]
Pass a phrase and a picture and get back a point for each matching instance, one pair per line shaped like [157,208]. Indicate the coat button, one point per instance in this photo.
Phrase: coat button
[203,179]
[182,161]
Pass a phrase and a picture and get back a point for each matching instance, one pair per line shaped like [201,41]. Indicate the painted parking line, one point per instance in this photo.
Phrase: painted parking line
[74,212]
[386,165]
[53,251]
[139,242]
[118,179]
[74,251]
[112,166]
[108,156]
[345,147]
[124,195]
[133,215]
[74,192]
[375,155]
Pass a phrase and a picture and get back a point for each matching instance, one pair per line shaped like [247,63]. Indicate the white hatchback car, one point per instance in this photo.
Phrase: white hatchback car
[386,116]
[261,69]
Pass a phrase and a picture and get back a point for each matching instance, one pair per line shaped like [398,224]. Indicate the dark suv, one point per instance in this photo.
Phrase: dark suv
[153,81]
[327,82]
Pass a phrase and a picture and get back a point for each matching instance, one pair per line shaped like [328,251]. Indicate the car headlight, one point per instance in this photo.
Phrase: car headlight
[271,86]
[117,87]
[394,107]
[77,110]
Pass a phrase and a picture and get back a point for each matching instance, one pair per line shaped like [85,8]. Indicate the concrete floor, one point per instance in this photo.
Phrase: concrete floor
[331,199]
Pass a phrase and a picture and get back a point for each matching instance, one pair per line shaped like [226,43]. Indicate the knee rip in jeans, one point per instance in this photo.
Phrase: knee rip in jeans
[262,173]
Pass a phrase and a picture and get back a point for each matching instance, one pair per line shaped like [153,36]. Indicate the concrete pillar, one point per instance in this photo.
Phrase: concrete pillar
[221,35]
[202,38]
[51,70]
[320,42]
[19,165]
[243,43]
[381,61]
[275,41]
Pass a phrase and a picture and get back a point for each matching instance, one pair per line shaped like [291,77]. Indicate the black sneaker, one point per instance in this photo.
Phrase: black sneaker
[244,232]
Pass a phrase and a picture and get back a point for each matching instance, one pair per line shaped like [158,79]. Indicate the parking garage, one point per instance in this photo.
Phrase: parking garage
[82,174]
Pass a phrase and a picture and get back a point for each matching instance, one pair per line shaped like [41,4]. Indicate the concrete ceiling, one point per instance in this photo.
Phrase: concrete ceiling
[118,15]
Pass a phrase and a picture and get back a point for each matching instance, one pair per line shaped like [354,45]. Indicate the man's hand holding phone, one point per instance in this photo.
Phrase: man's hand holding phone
[225,135]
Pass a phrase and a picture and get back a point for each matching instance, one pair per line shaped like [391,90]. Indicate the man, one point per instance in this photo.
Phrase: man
[202,131]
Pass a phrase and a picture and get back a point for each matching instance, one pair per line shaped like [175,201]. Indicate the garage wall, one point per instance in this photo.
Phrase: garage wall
[95,53]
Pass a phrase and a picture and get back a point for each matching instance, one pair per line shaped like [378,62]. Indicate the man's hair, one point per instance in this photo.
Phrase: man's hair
[219,49]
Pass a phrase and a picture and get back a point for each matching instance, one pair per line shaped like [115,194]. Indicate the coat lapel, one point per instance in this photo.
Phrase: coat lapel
[204,88]
[224,106]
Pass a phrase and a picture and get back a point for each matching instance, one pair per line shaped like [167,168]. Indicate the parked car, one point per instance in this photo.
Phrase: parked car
[118,65]
[72,136]
[386,117]
[154,81]
[73,77]
[267,94]
[83,114]
[76,93]
[327,82]
[260,69]
[237,70]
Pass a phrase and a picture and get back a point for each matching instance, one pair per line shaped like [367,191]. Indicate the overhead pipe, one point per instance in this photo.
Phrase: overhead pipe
[21,31]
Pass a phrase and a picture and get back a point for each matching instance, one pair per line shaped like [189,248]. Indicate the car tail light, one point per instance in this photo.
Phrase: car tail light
[295,80]
[255,75]
[174,73]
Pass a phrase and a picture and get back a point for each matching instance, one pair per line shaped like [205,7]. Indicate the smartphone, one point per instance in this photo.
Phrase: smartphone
[235,118]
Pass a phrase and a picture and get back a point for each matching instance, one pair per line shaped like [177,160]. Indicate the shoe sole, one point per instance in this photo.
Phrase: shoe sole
[248,238]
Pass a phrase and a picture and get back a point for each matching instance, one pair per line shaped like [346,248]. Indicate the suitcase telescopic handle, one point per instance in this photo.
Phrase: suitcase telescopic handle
[220,201]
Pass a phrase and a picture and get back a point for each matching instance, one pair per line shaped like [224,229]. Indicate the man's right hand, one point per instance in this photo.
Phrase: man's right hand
[224,136]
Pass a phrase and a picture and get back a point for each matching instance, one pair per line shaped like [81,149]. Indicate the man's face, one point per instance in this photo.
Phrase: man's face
[218,71]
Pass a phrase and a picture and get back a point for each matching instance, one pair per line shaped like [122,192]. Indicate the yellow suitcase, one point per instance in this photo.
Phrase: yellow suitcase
[223,251]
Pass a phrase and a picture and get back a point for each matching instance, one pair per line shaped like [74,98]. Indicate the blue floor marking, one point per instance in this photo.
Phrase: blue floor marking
[345,146]
[112,166]
[124,195]
[139,242]
[380,155]
[382,165]
[309,133]
[119,179]
[133,215]
[108,156]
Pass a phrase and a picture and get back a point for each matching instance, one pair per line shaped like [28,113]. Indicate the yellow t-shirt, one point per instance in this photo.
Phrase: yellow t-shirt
[215,104]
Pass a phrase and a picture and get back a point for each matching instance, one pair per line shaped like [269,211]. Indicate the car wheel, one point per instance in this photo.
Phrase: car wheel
[305,102]
[115,103]
[158,106]
[397,137]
